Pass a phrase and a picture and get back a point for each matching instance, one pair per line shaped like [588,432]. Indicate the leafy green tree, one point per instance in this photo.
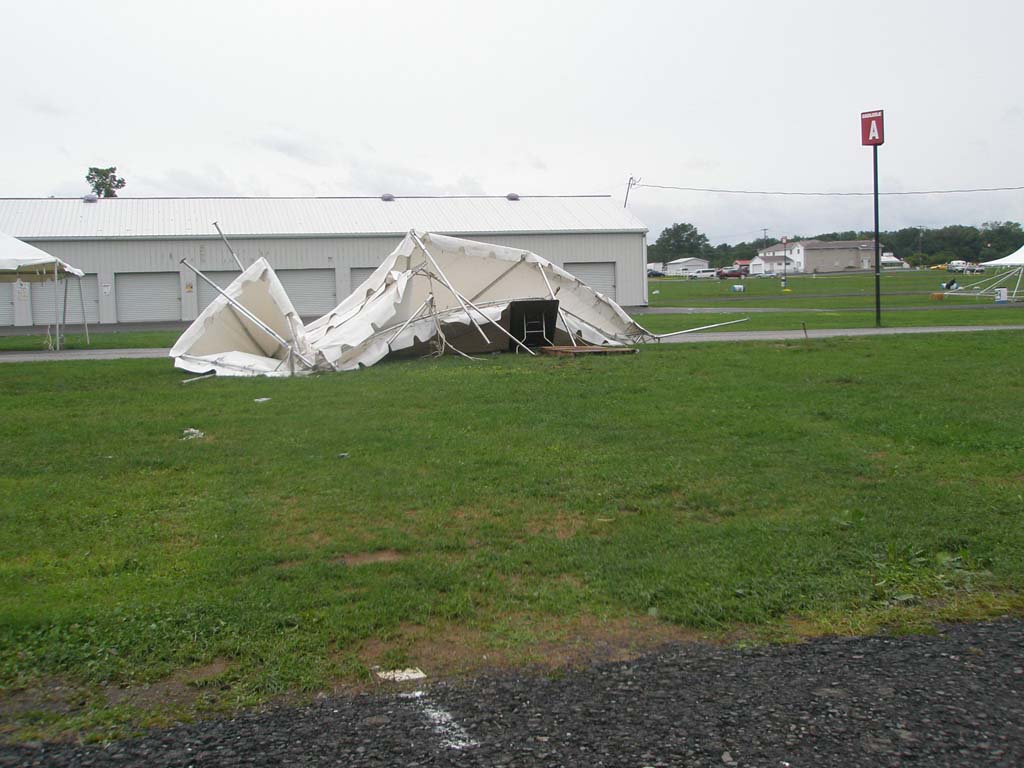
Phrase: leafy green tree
[104,181]
[678,242]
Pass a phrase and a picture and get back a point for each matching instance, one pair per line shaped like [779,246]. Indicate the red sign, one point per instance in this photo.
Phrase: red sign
[872,128]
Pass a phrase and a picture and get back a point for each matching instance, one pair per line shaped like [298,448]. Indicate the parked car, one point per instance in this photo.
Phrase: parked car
[727,272]
[655,273]
[703,274]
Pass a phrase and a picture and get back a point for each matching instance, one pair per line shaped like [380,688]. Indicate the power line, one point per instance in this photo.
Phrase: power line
[829,194]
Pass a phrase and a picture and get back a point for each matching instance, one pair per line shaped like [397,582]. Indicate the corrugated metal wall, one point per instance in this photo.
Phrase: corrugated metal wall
[342,256]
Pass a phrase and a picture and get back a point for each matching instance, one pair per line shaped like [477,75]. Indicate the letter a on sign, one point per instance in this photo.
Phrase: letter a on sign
[872,128]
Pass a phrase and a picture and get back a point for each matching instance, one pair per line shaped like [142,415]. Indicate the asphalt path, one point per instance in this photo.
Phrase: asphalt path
[685,338]
[953,698]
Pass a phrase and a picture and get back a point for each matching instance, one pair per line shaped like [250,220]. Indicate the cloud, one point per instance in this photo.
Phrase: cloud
[378,178]
[305,150]
[44,108]
[210,181]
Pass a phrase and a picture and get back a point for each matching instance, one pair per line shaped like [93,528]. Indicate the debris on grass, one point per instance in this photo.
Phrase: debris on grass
[191,433]
[342,455]
[401,675]
[261,400]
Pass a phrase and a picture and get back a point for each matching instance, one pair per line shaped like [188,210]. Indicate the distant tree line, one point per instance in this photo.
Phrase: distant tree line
[916,245]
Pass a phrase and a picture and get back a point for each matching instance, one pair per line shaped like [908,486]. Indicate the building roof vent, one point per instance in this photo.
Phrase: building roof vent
[90,198]
[512,196]
[387,197]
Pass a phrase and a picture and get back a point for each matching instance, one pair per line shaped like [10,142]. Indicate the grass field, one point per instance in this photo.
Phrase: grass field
[825,319]
[912,288]
[104,339]
[456,515]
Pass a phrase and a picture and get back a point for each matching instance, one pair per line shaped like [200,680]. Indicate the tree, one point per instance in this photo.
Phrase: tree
[680,241]
[104,181]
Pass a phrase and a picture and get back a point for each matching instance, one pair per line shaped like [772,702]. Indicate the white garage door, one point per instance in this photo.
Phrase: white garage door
[6,303]
[147,296]
[205,293]
[311,290]
[42,301]
[358,275]
[599,275]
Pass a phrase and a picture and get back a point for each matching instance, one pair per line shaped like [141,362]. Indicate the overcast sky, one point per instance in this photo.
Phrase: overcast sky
[225,97]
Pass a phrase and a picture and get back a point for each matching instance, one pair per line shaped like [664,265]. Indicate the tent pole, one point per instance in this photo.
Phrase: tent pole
[56,311]
[1016,288]
[85,320]
[463,301]
[245,312]
[64,309]
[230,249]
[568,330]
[447,283]
[406,323]
[495,281]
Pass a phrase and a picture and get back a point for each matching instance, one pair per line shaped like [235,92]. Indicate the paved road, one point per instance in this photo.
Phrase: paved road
[80,354]
[951,699]
[688,338]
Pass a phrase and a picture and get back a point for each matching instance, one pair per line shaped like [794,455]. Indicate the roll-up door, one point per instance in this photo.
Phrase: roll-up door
[206,292]
[599,275]
[42,301]
[147,296]
[312,291]
[358,275]
[6,303]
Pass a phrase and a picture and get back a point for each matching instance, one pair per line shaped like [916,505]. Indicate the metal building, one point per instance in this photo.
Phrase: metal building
[131,248]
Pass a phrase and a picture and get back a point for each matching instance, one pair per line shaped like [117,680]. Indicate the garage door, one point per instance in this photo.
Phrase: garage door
[147,296]
[311,290]
[6,303]
[205,292]
[599,275]
[358,275]
[42,301]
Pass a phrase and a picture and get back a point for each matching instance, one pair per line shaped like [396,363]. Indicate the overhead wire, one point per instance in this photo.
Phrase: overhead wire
[828,194]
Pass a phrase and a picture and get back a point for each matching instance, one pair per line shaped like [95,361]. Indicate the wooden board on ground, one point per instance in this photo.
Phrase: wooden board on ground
[589,350]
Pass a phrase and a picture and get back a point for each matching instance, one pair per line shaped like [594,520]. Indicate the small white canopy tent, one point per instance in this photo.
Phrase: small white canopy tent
[1008,276]
[21,262]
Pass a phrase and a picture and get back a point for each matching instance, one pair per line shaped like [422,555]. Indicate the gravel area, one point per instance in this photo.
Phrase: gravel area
[951,699]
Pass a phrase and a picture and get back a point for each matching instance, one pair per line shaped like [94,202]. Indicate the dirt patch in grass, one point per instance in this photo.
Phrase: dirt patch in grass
[51,695]
[182,689]
[551,644]
[366,558]
[562,526]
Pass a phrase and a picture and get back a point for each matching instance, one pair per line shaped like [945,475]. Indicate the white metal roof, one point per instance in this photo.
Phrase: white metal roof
[165,217]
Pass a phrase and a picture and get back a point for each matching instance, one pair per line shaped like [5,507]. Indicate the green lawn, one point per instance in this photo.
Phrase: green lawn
[840,484]
[911,288]
[822,319]
[101,340]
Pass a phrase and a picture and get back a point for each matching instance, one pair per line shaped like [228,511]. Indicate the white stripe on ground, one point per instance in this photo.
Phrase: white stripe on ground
[453,735]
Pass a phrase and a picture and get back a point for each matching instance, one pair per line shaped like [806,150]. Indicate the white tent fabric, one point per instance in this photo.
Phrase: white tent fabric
[21,261]
[432,292]
[1015,259]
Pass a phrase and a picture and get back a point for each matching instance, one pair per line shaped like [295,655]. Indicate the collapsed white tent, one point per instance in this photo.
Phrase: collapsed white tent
[432,294]
[21,262]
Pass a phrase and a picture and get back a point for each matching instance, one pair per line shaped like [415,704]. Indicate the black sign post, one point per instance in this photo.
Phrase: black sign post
[872,133]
